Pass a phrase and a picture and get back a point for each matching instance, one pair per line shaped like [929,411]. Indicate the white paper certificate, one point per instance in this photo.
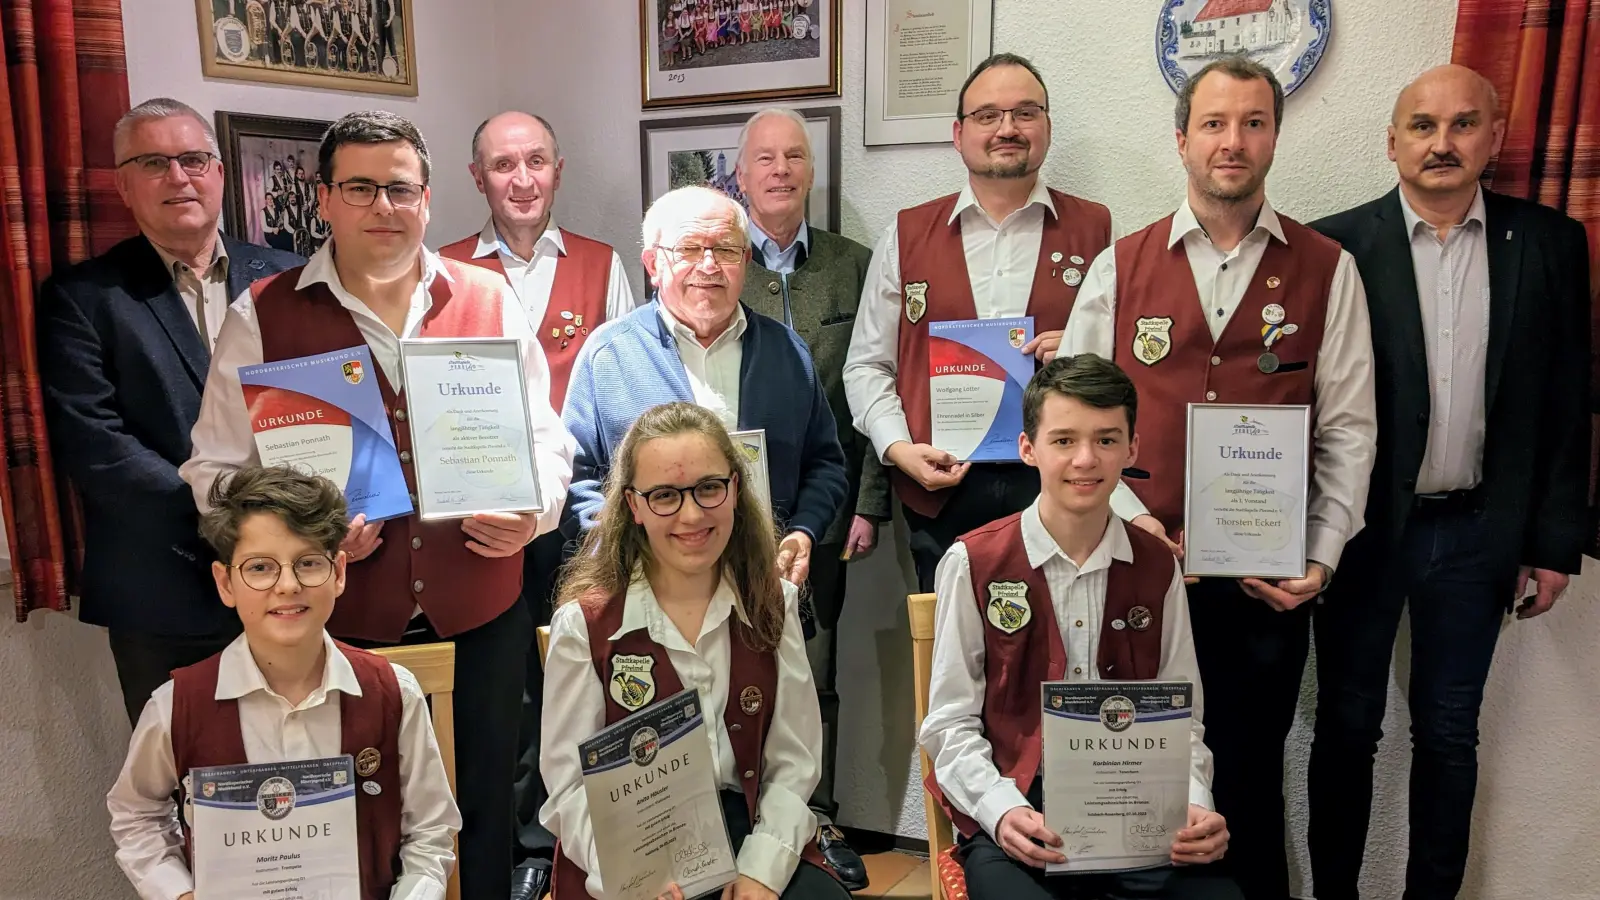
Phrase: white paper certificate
[753,444]
[471,430]
[1116,771]
[276,830]
[653,802]
[1245,490]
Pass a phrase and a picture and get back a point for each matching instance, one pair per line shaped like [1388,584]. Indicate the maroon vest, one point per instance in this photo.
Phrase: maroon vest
[1154,282]
[1015,664]
[749,671]
[583,280]
[205,732]
[418,562]
[933,275]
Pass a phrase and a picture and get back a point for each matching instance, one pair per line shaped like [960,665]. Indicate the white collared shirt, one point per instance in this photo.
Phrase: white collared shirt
[1453,291]
[208,289]
[790,764]
[713,371]
[144,821]
[1001,260]
[223,440]
[1346,428]
[532,279]
[953,733]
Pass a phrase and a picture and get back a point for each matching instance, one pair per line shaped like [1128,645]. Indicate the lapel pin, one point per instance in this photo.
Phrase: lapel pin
[1272,313]
[1055,257]
[1272,282]
[1076,260]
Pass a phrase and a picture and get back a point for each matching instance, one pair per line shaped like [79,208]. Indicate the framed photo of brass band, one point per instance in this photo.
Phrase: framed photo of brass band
[919,53]
[269,168]
[351,45]
[704,150]
[734,51]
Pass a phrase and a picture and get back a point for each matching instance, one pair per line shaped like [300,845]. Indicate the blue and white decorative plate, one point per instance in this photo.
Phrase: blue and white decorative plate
[1287,36]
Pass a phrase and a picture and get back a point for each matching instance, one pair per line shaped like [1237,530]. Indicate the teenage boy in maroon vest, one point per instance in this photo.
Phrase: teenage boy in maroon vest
[279,533]
[1226,301]
[1098,600]
[568,284]
[1006,245]
[410,581]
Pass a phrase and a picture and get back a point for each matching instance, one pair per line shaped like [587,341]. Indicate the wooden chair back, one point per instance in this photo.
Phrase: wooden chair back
[434,666]
[940,837]
[544,643]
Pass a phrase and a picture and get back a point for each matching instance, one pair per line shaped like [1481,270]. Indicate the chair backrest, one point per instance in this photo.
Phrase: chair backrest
[920,607]
[434,666]
[544,643]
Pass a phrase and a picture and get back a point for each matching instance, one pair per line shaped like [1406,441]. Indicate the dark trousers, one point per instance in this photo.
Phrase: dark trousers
[825,589]
[990,491]
[145,661]
[808,881]
[992,875]
[490,662]
[1445,569]
[1251,660]
[541,568]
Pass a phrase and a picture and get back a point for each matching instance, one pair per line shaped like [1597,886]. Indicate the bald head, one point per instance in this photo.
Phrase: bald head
[516,163]
[1458,81]
[513,120]
[1446,127]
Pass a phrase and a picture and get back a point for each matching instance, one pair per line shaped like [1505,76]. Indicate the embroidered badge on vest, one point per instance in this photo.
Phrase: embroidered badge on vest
[750,700]
[633,685]
[1008,607]
[368,761]
[1139,618]
[916,301]
[1152,339]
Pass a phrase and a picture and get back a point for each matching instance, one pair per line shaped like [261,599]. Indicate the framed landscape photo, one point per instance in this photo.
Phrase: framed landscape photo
[351,45]
[704,150]
[270,170]
[731,51]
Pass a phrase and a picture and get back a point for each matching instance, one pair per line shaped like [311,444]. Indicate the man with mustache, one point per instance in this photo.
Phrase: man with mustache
[1480,310]
[1005,246]
[1188,307]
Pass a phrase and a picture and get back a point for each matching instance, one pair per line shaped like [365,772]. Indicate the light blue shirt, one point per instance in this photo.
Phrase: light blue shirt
[782,260]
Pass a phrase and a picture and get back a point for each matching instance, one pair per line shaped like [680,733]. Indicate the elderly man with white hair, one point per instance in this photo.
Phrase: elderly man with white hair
[697,343]
[812,280]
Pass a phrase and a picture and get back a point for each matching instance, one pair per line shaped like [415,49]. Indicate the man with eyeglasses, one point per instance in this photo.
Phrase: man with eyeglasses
[697,343]
[1005,246]
[410,581]
[125,340]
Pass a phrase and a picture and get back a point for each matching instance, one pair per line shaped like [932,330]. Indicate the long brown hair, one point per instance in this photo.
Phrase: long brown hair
[604,565]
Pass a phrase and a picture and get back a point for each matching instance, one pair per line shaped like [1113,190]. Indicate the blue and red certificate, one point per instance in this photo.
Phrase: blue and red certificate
[976,374]
[324,414]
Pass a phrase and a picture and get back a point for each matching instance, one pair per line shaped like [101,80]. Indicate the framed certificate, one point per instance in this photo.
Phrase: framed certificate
[919,53]
[753,444]
[1245,489]
[471,430]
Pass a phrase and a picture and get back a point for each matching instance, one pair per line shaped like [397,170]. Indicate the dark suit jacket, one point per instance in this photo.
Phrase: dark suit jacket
[1536,443]
[122,367]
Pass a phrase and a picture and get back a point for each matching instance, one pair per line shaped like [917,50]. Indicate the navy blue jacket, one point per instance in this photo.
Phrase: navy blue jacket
[122,367]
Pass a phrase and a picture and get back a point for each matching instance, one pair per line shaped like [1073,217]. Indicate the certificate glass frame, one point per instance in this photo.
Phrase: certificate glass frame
[1244,514]
[505,355]
[753,444]
[926,117]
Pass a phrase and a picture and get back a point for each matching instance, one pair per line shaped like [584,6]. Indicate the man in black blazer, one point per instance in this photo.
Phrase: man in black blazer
[1480,327]
[124,345]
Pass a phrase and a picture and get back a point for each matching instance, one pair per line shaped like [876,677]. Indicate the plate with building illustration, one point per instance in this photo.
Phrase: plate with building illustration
[1287,36]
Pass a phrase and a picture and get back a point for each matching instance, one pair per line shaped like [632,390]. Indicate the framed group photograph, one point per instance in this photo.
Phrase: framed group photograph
[351,45]
[730,51]
[704,150]
[919,53]
[270,169]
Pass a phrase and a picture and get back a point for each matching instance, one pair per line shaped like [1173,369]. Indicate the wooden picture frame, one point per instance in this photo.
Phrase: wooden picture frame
[288,42]
[264,200]
[767,63]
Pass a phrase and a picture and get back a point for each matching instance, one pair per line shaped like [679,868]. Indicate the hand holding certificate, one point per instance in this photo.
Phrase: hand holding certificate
[1245,491]
[976,373]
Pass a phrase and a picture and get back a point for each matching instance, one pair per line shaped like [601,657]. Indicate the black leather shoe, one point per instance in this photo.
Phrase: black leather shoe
[531,880]
[846,862]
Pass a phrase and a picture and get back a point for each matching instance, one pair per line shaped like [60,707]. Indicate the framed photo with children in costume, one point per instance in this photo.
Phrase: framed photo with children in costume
[694,50]
[269,167]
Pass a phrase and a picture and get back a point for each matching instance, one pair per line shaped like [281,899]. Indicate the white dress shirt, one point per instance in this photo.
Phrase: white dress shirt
[713,371]
[144,821]
[532,279]
[205,294]
[1346,427]
[790,759]
[223,440]
[1453,290]
[1002,258]
[953,733]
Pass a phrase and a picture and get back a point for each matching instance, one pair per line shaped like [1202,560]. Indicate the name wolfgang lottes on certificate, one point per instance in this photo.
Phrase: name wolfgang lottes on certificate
[976,375]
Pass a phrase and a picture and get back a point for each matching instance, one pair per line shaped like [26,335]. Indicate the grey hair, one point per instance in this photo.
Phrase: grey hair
[550,129]
[156,108]
[670,208]
[783,111]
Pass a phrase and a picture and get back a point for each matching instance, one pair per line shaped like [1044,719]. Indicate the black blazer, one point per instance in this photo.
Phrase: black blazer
[1536,442]
[122,368]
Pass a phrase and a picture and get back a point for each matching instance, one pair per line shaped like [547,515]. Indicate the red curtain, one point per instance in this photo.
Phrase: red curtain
[1544,58]
[64,86]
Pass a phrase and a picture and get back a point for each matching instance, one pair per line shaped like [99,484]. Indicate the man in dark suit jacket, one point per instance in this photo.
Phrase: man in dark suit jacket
[124,346]
[1480,327]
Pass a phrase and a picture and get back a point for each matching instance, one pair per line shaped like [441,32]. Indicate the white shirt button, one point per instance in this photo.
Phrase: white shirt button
[416,586]
[1216,360]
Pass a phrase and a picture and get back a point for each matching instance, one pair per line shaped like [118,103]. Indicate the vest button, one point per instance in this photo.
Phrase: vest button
[405,456]
[772,287]
[1216,360]
[416,586]
[416,543]
[749,773]
[400,415]
[1211,395]
[736,727]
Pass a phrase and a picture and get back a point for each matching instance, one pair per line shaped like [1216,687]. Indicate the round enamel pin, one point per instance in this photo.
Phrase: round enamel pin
[750,700]
[1273,314]
[368,761]
[1072,277]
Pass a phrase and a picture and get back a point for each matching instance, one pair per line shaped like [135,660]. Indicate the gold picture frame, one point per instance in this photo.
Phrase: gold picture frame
[799,56]
[249,40]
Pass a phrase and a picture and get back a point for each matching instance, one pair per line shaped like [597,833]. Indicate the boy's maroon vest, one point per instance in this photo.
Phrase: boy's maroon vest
[747,732]
[583,278]
[1155,281]
[1015,664]
[418,562]
[932,255]
[205,732]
